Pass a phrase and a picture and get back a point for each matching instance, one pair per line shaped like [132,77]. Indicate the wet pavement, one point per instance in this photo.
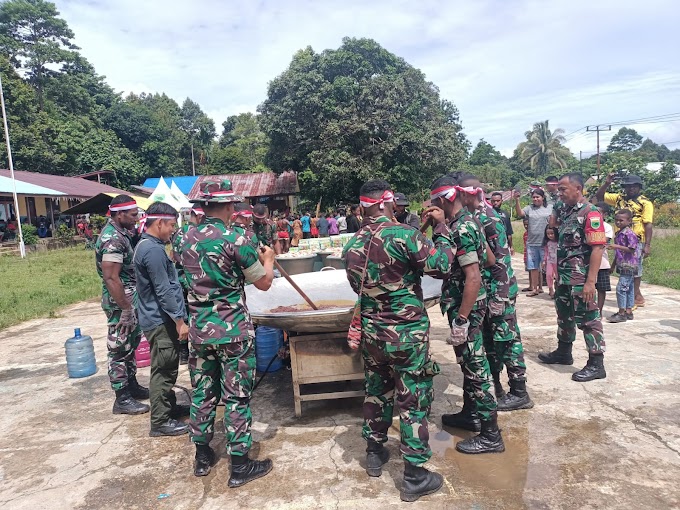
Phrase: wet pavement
[605,444]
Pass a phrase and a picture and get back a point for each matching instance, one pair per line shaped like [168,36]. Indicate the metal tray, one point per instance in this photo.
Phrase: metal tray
[319,286]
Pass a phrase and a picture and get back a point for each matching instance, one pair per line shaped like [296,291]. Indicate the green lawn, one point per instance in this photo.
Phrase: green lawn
[663,266]
[44,282]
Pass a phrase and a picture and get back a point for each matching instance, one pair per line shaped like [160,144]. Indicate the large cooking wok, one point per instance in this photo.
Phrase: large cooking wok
[320,286]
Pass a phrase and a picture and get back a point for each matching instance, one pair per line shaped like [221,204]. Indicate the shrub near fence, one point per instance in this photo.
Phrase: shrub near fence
[667,216]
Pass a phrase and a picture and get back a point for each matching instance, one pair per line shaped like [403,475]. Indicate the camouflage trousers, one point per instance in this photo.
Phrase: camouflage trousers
[573,312]
[121,351]
[503,343]
[408,369]
[474,364]
[223,372]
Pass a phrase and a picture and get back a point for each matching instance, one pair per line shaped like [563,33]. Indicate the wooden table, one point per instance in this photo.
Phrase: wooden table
[322,358]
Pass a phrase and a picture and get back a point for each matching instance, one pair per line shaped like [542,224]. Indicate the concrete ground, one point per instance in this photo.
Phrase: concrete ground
[608,444]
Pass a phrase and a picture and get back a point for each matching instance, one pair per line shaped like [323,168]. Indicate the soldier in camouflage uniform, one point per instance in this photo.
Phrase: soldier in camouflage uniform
[119,298]
[196,217]
[395,334]
[217,262]
[264,228]
[502,339]
[464,302]
[580,246]
[242,222]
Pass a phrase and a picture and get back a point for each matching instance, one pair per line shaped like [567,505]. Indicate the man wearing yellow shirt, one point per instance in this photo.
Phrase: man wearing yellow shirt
[643,216]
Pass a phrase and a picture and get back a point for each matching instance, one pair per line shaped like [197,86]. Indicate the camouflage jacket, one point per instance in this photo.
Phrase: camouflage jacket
[114,244]
[265,233]
[247,233]
[392,308]
[581,226]
[469,244]
[175,243]
[216,262]
[500,278]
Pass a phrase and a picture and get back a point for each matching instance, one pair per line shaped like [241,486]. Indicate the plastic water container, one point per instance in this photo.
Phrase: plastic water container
[268,341]
[80,360]
[143,353]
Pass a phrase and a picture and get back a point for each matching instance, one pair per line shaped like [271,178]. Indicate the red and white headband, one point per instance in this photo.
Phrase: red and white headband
[386,197]
[245,214]
[123,207]
[160,217]
[447,192]
[474,190]
[198,211]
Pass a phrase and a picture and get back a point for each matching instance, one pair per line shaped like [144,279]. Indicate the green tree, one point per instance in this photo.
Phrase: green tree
[34,37]
[484,153]
[543,149]
[344,116]
[625,139]
[662,187]
[652,152]
[244,133]
[199,128]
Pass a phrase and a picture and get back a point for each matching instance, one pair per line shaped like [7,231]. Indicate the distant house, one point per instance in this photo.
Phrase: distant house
[278,192]
[46,195]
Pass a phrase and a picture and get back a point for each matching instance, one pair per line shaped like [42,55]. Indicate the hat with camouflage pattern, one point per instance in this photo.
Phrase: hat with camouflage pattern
[217,192]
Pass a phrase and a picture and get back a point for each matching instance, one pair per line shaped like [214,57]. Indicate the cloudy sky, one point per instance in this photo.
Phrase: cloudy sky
[505,63]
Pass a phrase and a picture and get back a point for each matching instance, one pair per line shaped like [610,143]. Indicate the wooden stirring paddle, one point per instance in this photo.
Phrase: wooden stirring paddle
[295,285]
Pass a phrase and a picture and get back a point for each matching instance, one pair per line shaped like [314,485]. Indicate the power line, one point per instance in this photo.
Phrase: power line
[655,119]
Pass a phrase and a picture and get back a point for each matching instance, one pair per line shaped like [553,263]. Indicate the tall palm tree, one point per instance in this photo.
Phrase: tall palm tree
[544,148]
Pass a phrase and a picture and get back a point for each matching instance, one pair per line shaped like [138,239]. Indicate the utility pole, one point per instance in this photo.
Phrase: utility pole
[17,213]
[598,129]
[193,167]
[580,161]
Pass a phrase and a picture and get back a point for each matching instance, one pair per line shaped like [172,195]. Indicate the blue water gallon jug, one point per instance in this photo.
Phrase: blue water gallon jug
[80,361]
[268,341]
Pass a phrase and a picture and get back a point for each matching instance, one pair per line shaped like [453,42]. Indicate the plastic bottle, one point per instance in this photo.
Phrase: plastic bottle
[80,360]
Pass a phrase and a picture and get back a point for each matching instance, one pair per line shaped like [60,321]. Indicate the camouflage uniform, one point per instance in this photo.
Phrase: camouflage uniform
[502,339]
[217,262]
[395,328]
[247,233]
[580,227]
[465,234]
[265,233]
[114,244]
[175,243]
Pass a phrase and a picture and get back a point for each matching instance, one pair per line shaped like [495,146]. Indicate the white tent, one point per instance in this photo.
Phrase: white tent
[180,197]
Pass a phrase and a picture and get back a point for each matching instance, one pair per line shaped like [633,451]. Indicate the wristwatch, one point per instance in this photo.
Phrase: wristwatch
[460,321]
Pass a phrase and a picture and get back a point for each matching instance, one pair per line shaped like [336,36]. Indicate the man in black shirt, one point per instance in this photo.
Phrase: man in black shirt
[353,221]
[402,215]
[496,202]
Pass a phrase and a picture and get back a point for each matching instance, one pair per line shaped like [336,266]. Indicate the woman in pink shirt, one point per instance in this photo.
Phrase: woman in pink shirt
[332,225]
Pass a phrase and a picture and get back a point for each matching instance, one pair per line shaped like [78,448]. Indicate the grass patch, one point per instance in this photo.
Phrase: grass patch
[663,266]
[41,284]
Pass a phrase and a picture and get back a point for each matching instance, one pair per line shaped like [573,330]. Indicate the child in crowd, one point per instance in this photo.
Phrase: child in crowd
[603,284]
[550,258]
[626,260]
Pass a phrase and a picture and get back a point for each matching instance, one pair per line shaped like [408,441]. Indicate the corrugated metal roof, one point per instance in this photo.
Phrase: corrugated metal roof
[184,183]
[24,188]
[69,186]
[254,185]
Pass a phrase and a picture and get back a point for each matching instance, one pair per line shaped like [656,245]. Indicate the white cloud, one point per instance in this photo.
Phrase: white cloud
[505,65]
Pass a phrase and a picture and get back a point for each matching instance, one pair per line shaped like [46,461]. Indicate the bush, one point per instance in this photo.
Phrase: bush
[97,222]
[64,233]
[30,234]
[667,216]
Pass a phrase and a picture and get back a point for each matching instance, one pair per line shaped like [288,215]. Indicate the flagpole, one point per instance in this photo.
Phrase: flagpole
[22,248]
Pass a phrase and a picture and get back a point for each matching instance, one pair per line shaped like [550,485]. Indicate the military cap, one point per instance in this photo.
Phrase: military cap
[400,199]
[217,192]
[631,180]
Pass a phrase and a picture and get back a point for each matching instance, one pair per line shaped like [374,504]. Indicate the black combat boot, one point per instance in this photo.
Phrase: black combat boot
[183,354]
[594,369]
[466,419]
[418,482]
[137,390]
[497,385]
[561,356]
[488,441]
[517,398]
[169,428]
[244,470]
[204,460]
[125,404]
[376,456]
